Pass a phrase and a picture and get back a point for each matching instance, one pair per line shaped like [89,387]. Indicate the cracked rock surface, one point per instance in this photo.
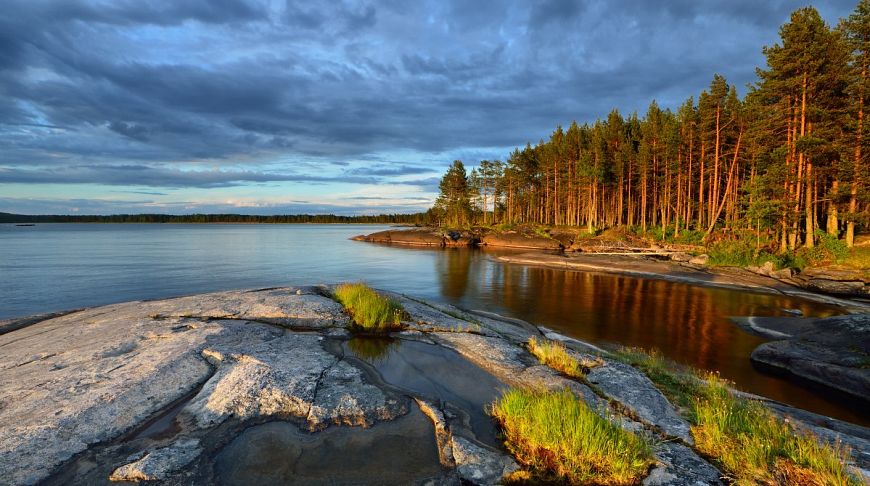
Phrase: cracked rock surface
[243,371]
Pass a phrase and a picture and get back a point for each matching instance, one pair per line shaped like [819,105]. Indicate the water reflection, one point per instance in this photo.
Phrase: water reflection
[371,348]
[58,267]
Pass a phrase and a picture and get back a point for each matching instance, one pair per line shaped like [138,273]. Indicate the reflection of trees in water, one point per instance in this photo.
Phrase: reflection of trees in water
[688,323]
[372,348]
[454,267]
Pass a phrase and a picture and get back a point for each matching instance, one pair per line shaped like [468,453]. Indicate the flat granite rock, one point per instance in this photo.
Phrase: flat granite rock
[90,376]
[638,394]
[296,307]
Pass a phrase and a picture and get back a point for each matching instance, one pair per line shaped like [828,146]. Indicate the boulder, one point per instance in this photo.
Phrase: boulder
[701,259]
[159,464]
[519,240]
[680,257]
[480,465]
[416,237]
[832,352]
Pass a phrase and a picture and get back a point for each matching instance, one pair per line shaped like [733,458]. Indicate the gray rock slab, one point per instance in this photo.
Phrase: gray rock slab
[634,391]
[89,376]
[291,375]
[283,306]
[678,465]
[158,464]
[481,465]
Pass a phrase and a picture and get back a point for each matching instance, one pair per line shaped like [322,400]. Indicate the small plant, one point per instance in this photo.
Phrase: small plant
[555,355]
[755,447]
[558,438]
[369,310]
[749,443]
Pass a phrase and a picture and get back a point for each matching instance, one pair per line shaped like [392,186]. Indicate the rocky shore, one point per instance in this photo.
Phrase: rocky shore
[269,385]
[630,255]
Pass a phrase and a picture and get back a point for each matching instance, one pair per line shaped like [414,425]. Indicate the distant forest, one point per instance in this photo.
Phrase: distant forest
[786,163]
[215,218]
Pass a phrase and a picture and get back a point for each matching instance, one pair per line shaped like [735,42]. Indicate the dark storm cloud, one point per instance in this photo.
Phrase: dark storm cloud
[162,176]
[129,92]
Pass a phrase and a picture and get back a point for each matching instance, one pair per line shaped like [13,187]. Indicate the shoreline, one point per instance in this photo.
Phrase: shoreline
[182,380]
[640,267]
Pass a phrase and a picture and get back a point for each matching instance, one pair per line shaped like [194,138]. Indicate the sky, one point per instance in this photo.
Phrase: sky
[345,107]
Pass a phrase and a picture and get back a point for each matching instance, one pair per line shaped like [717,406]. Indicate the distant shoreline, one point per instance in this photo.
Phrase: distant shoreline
[225,218]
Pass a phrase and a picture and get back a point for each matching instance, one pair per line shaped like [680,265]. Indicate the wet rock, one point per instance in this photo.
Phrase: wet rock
[680,466]
[634,391]
[833,368]
[836,286]
[832,352]
[442,432]
[480,465]
[160,463]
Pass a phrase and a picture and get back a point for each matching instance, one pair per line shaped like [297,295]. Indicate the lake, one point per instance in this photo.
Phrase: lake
[51,267]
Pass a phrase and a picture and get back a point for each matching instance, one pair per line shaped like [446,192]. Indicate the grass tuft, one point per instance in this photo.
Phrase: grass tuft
[558,438]
[753,446]
[747,441]
[555,355]
[369,310]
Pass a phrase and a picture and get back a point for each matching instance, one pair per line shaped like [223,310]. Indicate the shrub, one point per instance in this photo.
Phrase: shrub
[559,438]
[555,355]
[369,310]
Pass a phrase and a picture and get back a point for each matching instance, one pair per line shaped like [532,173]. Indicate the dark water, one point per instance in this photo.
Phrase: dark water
[436,373]
[55,267]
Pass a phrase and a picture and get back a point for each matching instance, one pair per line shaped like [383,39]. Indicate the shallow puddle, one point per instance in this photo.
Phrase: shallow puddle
[402,451]
[434,372]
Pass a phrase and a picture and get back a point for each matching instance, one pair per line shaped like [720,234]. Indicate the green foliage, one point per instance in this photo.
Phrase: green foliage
[742,253]
[369,310]
[749,443]
[755,447]
[454,200]
[555,355]
[560,439]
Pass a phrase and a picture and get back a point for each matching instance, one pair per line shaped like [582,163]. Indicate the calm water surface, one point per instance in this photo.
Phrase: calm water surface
[51,267]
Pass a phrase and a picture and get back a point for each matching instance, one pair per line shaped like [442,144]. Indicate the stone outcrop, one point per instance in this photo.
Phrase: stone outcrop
[512,239]
[158,464]
[76,391]
[832,352]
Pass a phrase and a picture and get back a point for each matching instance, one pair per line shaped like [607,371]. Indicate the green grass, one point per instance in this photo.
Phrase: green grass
[755,447]
[555,355]
[369,310]
[746,440]
[558,438]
